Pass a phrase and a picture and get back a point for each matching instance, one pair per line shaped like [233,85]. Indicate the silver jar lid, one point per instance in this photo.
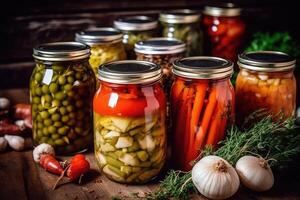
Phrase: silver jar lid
[203,67]
[182,16]
[228,10]
[160,46]
[266,61]
[61,51]
[129,72]
[99,36]
[135,23]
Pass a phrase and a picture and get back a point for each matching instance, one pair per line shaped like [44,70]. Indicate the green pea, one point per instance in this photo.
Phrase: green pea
[68,87]
[55,136]
[78,130]
[38,91]
[45,89]
[51,129]
[47,105]
[59,142]
[62,110]
[53,87]
[38,77]
[70,79]
[44,114]
[44,139]
[65,118]
[78,75]
[34,107]
[65,102]
[63,130]
[48,98]
[45,131]
[70,108]
[55,117]
[39,118]
[48,122]
[52,110]
[58,124]
[60,96]
[36,100]
[39,133]
[40,125]
[57,68]
[79,103]
[56,103]
[40,107]
[51,142]
[62,80]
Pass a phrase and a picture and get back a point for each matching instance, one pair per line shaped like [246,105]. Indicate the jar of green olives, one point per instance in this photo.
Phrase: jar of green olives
[184,25]
[61,91]
[105,43]
[136,28]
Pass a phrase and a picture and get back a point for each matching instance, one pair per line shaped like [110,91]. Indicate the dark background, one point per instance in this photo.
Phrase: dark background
[25,24]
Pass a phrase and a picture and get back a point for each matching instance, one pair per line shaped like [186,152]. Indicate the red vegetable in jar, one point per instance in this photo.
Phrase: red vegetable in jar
[224,31]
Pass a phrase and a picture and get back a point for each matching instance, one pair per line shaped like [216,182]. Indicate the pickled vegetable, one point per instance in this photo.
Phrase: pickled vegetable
[61,97]
[275,92]
[103,53]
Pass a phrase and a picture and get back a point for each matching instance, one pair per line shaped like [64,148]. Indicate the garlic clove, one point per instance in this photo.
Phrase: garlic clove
[15,142]
[3,143]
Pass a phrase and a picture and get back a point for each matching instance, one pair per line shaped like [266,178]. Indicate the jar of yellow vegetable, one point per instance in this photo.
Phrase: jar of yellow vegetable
[106,45]
[129,121]
[266,81]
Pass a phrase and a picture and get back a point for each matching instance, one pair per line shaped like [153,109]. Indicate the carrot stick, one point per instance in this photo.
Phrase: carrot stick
[201,133]
[197,108]
[215,129]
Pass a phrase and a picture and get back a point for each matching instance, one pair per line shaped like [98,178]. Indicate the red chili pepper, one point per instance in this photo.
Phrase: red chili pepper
[78,166]
[22,111]
[50,164]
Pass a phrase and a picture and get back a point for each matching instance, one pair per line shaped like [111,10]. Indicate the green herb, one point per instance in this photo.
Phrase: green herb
[277,142]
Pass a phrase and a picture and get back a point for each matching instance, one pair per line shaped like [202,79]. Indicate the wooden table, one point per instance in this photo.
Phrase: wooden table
[21,178]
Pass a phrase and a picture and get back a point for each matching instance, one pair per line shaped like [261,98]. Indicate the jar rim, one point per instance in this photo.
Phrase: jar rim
[180,16]
[99,35]
[61,51]
[203,67]
[227,10]
[136,23]
[159,46]
[266,61]
[129,72]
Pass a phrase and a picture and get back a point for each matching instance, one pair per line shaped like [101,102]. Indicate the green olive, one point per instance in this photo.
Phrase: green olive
[53,87]
[68,87]
[52,129]
[48,98]
[58,124]
[48,122]
[38,77]
[41,107]
[63,130]
[38,91]
[60,96]
[55,136]
[39,118]
[45,131]
[55,117]
[62,110]
[45,89]
[65,102]
[62,80]
[36,100]
[65,118]
[40,133]
[59,142]
[70,79]
[40,125]
[44,114]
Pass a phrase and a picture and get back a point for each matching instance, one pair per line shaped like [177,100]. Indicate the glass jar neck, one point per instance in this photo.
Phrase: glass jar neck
[115,85]
[268,73]
[225,79]
[62,63]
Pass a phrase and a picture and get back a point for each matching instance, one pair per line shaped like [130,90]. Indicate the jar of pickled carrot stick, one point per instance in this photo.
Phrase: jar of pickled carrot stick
[266,81]
[202,105]
[129,121]
[224,31]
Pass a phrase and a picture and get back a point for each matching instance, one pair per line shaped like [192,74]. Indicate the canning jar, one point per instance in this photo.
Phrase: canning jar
[184,25]
[266,81]
[61,93]
[135,28]
[202,105]
[224,31]
[129,121]
[161,51]
[105,43]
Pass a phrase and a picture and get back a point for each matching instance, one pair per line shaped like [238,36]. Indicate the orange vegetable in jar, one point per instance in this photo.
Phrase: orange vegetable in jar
[225,31]
[129,121]
[202,105]
[266,81]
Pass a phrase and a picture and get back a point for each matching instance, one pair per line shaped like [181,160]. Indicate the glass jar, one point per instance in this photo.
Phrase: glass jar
[224,31]
[161,51]
[266,81]
[61,94]
[129,121]
[135,28]
[202,105]
[105,43]
[184,25]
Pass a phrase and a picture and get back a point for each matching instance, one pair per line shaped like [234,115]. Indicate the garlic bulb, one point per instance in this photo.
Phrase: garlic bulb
[215,178]
[255,173]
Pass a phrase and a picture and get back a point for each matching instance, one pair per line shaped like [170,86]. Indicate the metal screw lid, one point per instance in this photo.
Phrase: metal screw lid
[160,46]
[99,36]
[180,16]
[61,51]
[227,10]
[266,61]
[129,72]
[203,67]
[135,23]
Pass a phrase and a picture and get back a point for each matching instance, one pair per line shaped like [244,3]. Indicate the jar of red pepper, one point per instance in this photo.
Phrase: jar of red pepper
[224,31]
[202,105]
[129,121]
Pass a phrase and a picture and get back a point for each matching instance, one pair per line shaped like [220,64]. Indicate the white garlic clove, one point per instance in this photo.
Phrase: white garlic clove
[4,103]
[15,142]
[255,173]
[42,149]
[3,143]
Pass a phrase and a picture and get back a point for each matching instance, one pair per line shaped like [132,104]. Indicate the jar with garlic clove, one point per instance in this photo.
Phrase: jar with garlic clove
[266,81]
